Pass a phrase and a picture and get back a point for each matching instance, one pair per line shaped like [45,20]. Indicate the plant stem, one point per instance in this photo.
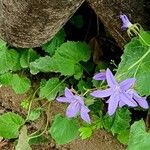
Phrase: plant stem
[30,105]
[47,123]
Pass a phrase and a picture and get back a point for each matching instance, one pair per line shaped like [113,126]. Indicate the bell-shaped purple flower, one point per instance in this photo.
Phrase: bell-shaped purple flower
[116,92]
[76,105]
[100,76]
[125,22]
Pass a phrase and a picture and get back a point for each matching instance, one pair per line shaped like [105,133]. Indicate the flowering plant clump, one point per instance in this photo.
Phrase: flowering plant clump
[120,94]
[116,101]
[76,105]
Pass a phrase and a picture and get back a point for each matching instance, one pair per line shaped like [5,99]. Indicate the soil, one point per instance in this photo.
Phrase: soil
[101,140]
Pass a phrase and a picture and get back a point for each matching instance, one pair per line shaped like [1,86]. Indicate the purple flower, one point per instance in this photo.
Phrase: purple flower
[126,23]
[140,100]
[100,76]
[117,93]
[76,105]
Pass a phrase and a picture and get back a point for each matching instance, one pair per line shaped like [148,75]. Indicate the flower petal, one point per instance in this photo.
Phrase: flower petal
[102,93]
[126,98]
[110,78]
[125,22]
[113,104]
[63,99]
[79,99]
[121,104]
[100,76]
[142,102]
[68,93]
[126,84]
[73,109]
[84,114]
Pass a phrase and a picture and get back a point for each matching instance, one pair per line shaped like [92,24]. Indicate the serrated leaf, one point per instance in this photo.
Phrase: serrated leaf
[68,55]
[119,122]
[23,140]
[20,84]
[78,71]
[139,138]
[2,44]
[65,60]
[144,37]
[35,114]
[8,60]
[28,56]
[10,124]
[64,130]
[38,140]
[16,66]
[123,137]
[43,64]
[5,79]
[51,88]
[135,63]
[51,46]
[85,132]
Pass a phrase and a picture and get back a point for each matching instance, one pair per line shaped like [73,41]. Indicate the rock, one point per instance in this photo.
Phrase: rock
[31,23]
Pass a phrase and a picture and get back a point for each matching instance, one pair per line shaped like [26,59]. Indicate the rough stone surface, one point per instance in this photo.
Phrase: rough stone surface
[109,11]
[30,23]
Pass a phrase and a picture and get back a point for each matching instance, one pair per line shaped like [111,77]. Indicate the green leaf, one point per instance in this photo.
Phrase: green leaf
[77,21]
[84,85]
[23,140]
[97,107]
[20,84]
[17,66]
[78,71]
[38,140]
[5,79]
[139,139]
[119,122]
[123,137]
[43,64]
[51,88]
[65,60]
[85,132]
[68,56]
[51,46]
[2,44]
[144,37]
[35,114]
[135,63]
[64,130]
[8,59]
[10,124]
[28,56]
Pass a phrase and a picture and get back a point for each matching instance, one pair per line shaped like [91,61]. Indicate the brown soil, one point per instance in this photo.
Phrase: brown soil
[101,140]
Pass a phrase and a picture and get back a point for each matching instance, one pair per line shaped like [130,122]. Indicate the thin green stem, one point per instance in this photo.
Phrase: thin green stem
[86,92]
[30,105]
[47,123]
